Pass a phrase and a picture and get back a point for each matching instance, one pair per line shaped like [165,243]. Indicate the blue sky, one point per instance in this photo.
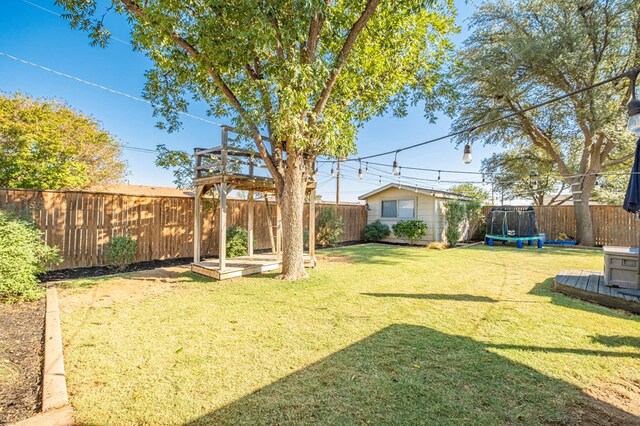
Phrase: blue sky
[39,36]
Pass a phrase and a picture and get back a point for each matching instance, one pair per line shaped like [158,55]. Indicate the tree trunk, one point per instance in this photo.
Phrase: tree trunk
[582,212]
[291,201]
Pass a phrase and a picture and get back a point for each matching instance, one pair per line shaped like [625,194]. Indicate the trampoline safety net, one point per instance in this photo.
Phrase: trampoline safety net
[507,221]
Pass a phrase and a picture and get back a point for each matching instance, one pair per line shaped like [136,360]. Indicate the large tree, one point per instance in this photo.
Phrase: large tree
[45,144]
[471,190]
[526,51]
[306,73]
[525,174]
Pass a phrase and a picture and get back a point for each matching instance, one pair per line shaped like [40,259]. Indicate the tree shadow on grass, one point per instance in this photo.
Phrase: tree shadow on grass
[617,341]
[544,289]
[436,296]
[545,251]
[407,374]
[379,254]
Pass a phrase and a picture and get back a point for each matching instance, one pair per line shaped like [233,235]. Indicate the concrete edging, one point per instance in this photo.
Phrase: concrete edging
[54,382]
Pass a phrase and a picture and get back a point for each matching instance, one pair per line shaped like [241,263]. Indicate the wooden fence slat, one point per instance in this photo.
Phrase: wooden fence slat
[80,224]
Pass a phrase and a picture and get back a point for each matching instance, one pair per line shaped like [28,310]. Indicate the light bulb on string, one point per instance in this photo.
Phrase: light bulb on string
[633,108]
[396,169]
[333,173]
[466,157]
[598,182]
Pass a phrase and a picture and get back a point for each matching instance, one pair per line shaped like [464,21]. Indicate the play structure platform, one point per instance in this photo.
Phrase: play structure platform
[225,168]
[244,265]
[490,239]
[590,286]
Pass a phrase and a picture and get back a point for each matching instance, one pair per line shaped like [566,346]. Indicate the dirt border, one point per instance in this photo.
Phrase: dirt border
[56,410]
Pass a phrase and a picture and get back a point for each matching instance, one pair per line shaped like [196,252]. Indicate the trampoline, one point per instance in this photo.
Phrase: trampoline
[506,223]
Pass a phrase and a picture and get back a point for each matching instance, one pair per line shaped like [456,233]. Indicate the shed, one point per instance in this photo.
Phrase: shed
[395,202]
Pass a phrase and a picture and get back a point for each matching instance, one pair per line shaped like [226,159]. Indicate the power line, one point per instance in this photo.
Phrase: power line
[60,16]
[627,74]
[464,172]
[100,86]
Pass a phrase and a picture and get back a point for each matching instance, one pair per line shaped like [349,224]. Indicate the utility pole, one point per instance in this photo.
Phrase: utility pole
[338,182]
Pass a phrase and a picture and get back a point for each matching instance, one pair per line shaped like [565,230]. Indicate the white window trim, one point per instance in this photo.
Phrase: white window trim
[396,217]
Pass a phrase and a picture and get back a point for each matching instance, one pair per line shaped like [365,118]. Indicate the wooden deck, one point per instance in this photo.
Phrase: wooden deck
[244,265]
[589,285]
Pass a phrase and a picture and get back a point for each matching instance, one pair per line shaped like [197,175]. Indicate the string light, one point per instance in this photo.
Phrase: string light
[466,157]
[333,172]
[633,107]
[360,172]
[395,168]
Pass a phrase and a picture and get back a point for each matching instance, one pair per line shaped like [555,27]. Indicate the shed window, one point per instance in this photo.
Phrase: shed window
[403,209]
[390,208]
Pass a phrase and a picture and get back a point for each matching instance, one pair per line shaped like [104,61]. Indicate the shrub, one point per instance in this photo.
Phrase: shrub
[475,218]
[120,251]
[23,256]
[454,215]
[329,226]
[410,230]
[237,241]
[376,231]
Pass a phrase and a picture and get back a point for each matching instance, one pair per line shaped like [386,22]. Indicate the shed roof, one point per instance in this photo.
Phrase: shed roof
[424,191]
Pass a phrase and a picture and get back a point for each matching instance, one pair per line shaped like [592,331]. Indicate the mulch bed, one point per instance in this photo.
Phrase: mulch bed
[21,352]
[97,271]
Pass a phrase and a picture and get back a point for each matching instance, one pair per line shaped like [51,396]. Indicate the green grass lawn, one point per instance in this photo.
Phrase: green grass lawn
[378,335]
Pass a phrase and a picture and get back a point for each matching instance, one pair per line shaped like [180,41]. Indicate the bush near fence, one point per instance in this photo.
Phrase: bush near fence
[81,223]
[612,226]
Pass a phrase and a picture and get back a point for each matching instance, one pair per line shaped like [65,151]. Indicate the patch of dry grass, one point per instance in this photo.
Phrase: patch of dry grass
[437,246]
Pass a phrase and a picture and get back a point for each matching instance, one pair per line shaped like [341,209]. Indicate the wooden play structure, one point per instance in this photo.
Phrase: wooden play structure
[225,169]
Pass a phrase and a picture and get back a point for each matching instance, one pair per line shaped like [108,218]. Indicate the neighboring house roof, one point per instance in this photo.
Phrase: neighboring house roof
[564,200]
[424,191]
[142,190]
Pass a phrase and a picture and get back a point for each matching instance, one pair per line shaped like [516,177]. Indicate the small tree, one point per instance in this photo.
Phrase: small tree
[23,256]
[237,241]
[329,226]
[410,230]
[120,251]
[474,216]
[376,231]
[454,215]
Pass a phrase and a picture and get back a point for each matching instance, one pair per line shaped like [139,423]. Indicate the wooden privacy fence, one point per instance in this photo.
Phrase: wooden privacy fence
[612,226]
[81,223]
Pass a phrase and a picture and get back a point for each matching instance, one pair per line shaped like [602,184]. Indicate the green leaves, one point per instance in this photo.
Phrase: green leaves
[265,64]
[524,52]
[410,230]
[23,255]
[47,145]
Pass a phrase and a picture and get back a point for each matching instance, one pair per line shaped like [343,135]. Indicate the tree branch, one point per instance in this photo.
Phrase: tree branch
[618,160]
[134,8]
[355,30]
[315,28]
